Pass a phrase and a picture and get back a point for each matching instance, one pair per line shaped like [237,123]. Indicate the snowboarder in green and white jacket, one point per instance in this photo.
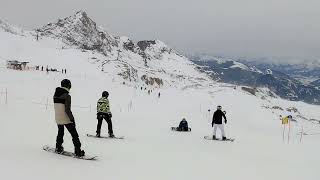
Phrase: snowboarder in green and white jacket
[103,112]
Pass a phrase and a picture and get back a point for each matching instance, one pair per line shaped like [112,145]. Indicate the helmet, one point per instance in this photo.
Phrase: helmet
[66,83]
[219,107]
[105,94]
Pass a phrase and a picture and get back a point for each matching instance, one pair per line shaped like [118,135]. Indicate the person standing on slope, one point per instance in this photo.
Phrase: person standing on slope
[103,112]
[64,118]
[217,122]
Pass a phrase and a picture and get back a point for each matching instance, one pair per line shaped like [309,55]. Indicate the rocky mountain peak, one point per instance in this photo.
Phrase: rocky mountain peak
[81,31]
[6,27]
[144,44]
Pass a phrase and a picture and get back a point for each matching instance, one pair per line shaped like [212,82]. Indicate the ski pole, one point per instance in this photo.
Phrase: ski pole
[289,131]
[284,127]
[6,95]
[47,103]
[301,133]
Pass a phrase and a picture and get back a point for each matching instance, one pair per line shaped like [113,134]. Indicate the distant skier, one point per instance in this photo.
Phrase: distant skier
[64,118]
[183,125]
[217,122]
[159,95]
[103,112]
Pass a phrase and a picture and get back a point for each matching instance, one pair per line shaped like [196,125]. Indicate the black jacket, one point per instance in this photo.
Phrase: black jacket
[217,117]
[61,96]
[183,124]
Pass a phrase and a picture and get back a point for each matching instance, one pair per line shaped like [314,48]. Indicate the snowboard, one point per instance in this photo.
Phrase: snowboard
[105,137]
[210,138]
[70,154]
[176,129]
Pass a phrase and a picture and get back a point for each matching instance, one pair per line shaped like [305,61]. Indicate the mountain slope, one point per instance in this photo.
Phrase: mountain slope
[230,71]
[149,62]
[316,83]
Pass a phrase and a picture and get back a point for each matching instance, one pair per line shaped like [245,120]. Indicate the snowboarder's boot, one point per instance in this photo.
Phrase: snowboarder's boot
[98,135]
[224,138]
[111,135]
[59,149]
[79,152]
[214,137]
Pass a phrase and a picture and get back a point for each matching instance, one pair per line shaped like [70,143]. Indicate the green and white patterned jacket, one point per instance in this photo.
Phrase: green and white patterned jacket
[103,105]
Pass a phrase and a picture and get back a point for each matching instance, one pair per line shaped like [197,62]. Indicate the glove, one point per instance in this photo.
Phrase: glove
[110,114]
[225,121]
[74,124]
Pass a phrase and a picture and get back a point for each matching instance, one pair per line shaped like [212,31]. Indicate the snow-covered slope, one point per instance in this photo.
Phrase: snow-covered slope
[151,150]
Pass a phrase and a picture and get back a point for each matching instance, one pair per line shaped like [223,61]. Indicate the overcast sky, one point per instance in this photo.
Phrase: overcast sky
[253,28]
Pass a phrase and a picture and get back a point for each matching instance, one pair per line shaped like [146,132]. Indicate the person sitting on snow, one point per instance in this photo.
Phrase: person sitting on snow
[183,125]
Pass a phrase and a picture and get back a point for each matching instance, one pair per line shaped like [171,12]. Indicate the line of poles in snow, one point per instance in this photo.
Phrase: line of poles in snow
[285,121]
[5,94]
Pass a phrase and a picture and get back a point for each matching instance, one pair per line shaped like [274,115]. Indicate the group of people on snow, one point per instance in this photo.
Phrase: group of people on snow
[65,119]
[63,71]
[217,122]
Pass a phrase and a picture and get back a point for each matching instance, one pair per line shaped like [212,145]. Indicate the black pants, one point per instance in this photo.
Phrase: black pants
[100,117]
[72,130]
[182,129]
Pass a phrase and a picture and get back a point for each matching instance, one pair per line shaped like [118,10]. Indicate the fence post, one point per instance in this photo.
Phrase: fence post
[284,128]
[289,132]
[301,134]
[47,103]
[6,95]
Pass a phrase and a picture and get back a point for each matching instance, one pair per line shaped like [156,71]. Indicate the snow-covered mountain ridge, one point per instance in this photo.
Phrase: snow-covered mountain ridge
[259,75]
[139,61]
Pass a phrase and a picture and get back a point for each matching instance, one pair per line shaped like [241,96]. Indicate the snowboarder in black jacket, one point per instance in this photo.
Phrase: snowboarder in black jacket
[64,118]
[217,122]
